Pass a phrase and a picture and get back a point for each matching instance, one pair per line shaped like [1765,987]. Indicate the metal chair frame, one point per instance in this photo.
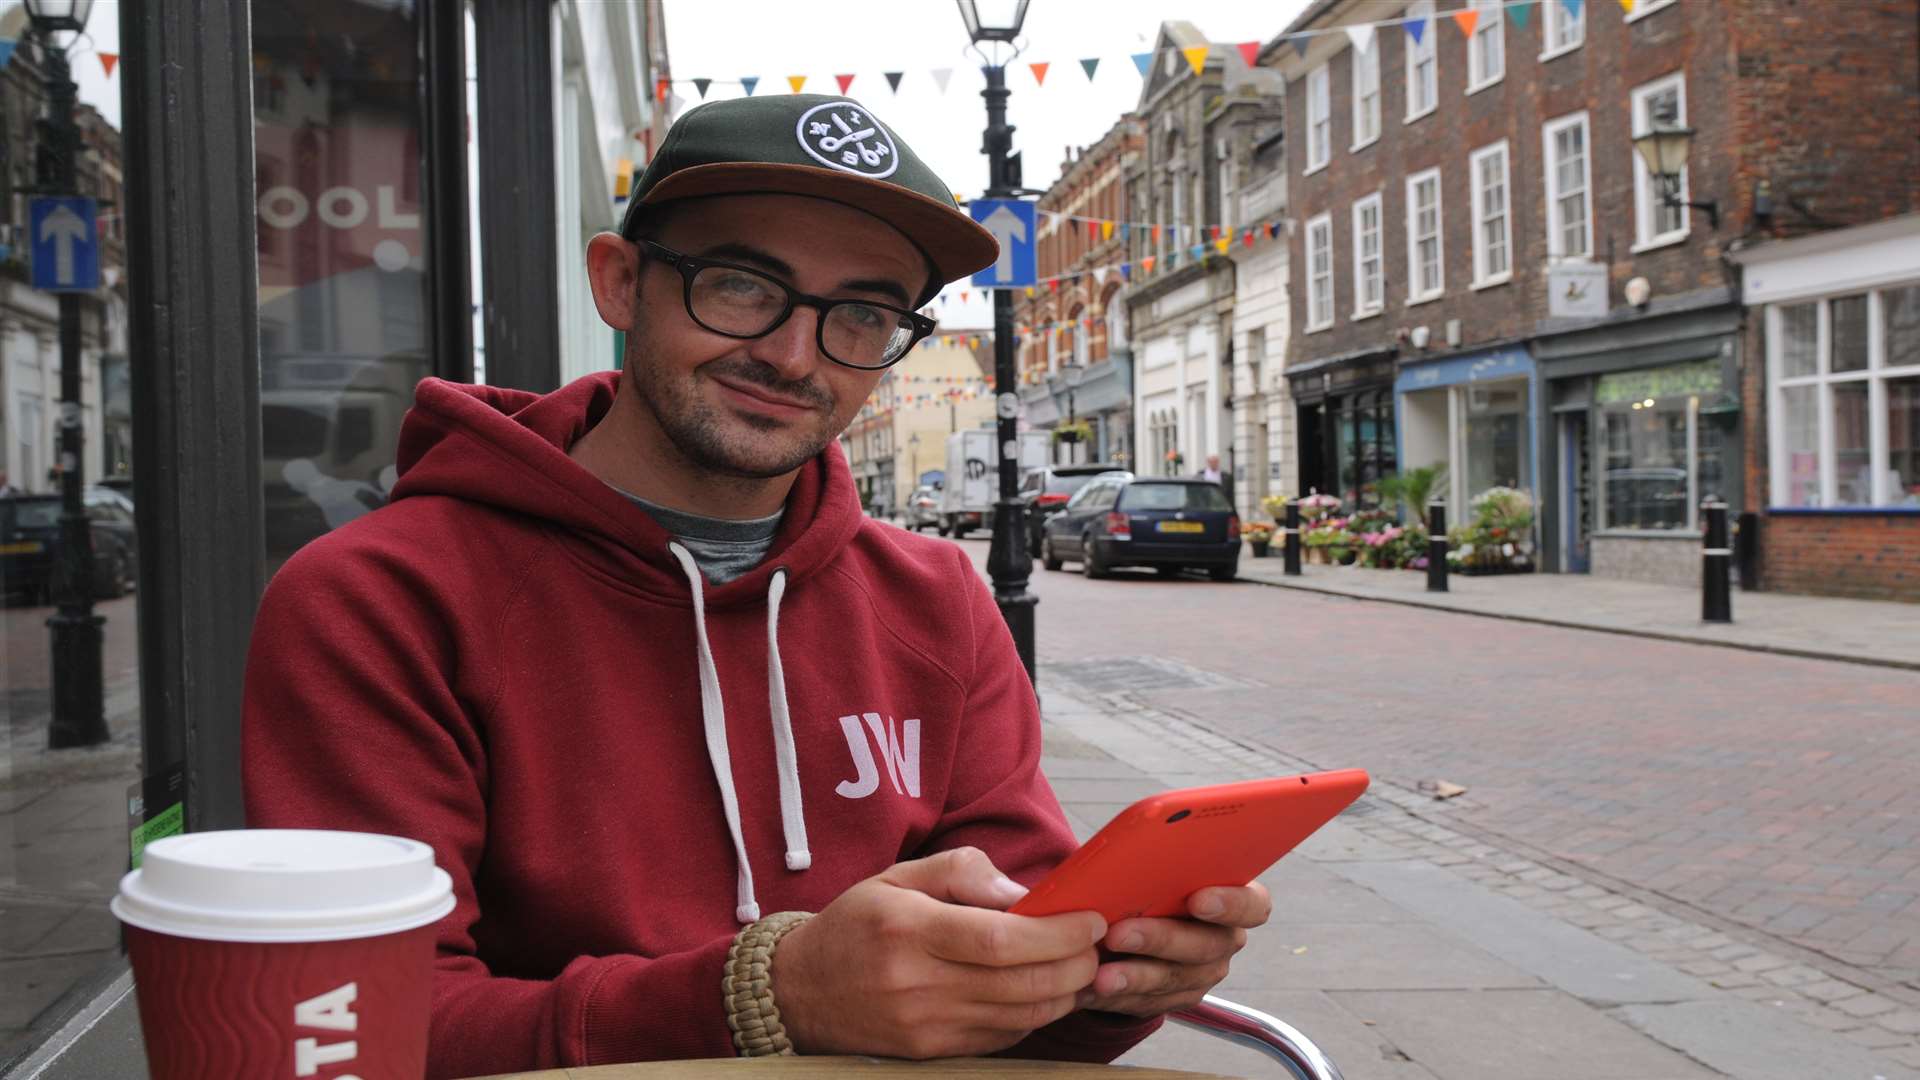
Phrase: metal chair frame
[1228,1020]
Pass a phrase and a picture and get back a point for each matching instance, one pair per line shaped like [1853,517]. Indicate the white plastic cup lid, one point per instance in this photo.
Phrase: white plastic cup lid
[283,885]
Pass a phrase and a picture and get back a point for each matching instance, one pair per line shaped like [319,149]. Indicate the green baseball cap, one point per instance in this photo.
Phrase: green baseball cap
[812,144]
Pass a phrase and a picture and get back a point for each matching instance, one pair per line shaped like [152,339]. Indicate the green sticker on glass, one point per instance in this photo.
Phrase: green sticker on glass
[156,808]
[169,822]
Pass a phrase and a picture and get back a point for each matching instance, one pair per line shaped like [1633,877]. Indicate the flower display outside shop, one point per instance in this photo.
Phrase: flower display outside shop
[1076,432]
[1314,506]
[1499,537]
[1258,534]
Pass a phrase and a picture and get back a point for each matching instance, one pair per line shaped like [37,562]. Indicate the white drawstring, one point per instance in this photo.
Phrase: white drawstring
[714,718]
[793,819]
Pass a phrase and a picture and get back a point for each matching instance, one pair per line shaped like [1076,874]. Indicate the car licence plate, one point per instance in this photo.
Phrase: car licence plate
[1182,526]
[23,547]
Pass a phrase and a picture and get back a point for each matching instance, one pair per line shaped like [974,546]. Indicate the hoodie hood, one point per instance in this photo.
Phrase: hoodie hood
[508,449]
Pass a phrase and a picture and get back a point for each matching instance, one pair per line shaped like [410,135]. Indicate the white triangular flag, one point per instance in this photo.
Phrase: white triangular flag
[1362,36]
[1099,275]
[941,76]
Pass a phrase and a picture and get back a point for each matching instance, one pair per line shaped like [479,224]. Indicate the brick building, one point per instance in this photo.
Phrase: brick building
[1076,320]
[1491,279]
[1202,128]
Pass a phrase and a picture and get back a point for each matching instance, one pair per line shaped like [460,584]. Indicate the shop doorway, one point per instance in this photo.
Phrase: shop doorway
[1576,493]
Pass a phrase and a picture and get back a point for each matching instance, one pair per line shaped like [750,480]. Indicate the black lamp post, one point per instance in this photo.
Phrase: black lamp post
[1664,148]
[1009,563]
[1070,374]
[79,712]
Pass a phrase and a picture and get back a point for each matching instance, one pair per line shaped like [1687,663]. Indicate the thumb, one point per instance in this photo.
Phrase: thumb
[960,876]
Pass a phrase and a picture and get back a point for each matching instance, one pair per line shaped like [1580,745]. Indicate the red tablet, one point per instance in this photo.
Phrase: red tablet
[1166,847]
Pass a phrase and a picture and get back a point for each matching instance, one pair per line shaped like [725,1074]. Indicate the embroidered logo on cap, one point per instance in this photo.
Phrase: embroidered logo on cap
[841,134]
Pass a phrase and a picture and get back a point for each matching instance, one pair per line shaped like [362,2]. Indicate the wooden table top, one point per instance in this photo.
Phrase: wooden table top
[821,1068]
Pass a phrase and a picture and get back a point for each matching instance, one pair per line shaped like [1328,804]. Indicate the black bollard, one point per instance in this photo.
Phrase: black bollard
[1293,539]
[1716,590]
[1437,548]
[1746,551]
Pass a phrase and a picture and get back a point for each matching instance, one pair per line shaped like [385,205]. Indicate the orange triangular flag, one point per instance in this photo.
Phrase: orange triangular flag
[1156,238]
[1467,18]
[1106,230]
[844,81]
[1039,73]
[1196,57]
[1146,263]
[107,60]
[796,81]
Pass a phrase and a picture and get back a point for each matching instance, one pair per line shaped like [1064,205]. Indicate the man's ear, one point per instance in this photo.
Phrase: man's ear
[613,268]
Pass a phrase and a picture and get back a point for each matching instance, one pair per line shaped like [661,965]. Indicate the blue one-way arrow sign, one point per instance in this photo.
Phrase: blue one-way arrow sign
[1011,222]
[66,247]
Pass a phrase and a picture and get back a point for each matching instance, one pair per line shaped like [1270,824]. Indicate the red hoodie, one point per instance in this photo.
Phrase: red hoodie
[508,663]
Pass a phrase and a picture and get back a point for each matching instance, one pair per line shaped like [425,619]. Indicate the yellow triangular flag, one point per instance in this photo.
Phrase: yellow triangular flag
[1626,6]
[1467,18]
[1196,58]
[1223,244]
[796,81]
[1029,291]
[1106,230]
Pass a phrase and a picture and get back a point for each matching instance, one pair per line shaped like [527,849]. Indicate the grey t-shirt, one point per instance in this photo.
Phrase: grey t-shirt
[723,549]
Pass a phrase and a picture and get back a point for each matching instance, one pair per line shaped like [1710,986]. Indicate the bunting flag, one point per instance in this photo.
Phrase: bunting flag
[1090,65]
[1300,44]
[1246,238]
[964,294]
[844,81]
[1039,72]
[1273,230]
[941,76]
[1466,19]
[701,85]
[1361,36]
[1156,239]
[893,79]
[6,52]
[1142,60]
[1573,7]
[1196,251]
[660,88]
[1250,52]
[1126,231]
[1093,231]
[796,81]
[1196,58]
[1223,243]
[1146,263]
[1213,232]
[1099,275]
[1626,6]
[1416,29]
[1126,271]
[1029,292]
[107,60]
[1520,11]
[749,82]
[1106,230]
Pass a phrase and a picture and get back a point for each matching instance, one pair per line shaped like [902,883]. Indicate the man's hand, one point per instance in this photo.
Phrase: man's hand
[1180,960]
[922,961]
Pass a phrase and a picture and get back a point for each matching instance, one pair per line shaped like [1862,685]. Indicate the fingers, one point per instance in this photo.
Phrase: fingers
[1243,906]
[1152,987]
[1181,941]
[960,876]
[994,939]
[1032,982]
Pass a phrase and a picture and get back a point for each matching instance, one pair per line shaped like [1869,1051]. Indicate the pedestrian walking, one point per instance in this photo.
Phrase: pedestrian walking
[667,704]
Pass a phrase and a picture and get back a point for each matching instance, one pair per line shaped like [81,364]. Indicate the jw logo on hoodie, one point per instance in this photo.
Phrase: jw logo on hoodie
[899,749]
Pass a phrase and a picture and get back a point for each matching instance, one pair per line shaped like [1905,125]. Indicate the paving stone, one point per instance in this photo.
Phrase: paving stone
[1905,1021]
[1866,1006]
[1758,963]
[1705,967]
[1792,976]
[1828,991]
[1875,1038]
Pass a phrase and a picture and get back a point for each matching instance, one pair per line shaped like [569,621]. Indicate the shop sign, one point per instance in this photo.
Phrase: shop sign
[1576,289]
[1681,380]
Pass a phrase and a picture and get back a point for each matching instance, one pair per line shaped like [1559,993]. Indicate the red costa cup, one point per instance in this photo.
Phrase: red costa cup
[284,953]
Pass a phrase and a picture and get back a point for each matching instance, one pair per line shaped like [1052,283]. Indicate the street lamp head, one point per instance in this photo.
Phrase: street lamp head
[993,20]
[1072,372]
[1664,147]
[51,15]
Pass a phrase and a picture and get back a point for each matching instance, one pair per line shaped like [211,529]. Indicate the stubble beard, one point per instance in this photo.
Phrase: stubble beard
[726,443]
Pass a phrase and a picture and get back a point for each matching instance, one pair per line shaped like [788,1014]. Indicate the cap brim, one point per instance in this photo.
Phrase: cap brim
[952,241]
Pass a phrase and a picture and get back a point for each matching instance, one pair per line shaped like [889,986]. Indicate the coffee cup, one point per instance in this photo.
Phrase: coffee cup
[284,953]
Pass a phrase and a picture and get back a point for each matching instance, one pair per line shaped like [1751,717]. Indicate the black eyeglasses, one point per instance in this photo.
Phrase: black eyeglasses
[739,302]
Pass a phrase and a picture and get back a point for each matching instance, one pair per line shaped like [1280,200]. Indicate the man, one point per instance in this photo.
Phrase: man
[630,657]
[1211,474]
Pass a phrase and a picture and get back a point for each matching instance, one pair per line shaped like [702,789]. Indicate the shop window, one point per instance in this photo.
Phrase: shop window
[1844,398]
[1659,458]
[1496,438]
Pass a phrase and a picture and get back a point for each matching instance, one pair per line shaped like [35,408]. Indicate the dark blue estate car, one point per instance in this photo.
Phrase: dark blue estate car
[1167,524]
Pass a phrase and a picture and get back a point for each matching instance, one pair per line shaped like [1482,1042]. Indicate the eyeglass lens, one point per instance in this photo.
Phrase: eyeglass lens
[746,304]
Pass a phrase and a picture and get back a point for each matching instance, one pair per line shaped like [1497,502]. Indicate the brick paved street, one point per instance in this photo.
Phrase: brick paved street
[1757,793]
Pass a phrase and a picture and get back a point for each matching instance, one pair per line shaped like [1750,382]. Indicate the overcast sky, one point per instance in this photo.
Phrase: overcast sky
[726,39]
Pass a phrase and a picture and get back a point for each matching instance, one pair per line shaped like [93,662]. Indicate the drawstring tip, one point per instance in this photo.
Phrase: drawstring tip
[747,913]
[799,860]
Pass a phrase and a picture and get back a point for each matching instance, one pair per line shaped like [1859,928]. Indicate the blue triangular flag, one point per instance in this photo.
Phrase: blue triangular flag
[1126,271]
[1300,45]
[1573,8]
[1142,60]
[1126,231]
[1090,65]
[6,52]
[1520,12]
[750,81]
[701,85]
[1418,27]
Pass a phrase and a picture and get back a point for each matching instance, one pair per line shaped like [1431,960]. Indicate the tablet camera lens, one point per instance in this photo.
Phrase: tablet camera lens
[1178,815]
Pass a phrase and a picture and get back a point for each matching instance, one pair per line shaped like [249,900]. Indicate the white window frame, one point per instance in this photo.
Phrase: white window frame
[1557,16]
[1362,309]
[1416,295]
[1319,112]
[1646,200]
[1876,375]
[1366,66]
[1315,279]
[1481,278]
[1644,8]
[1429,47]
[1493,23]
[1550,165]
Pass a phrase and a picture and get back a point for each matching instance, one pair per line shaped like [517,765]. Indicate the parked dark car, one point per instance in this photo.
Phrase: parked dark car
[1167,524]
[30,544]
[1046,491]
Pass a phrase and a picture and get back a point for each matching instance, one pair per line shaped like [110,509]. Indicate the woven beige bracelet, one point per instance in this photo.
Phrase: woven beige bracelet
[748,986]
